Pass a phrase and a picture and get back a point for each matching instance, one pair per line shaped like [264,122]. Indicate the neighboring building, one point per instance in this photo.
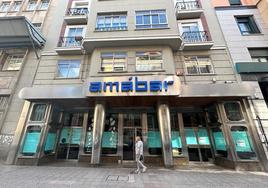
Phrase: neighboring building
[20,40]
[246,35]
[263,8]
[113,70]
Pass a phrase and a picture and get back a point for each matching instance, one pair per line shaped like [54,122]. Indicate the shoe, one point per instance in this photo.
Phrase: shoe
[144,169]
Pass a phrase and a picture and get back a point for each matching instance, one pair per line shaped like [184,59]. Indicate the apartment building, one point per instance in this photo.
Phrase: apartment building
[20,44]
[246,35]
[262,5]
[114,70]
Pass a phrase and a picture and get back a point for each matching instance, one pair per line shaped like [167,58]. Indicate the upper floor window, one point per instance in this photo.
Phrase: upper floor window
[151,19]
[247,25]
[13,61]
[259,55]
[149,61]
[31,5]
[44,5]
[198,65]
[16,6]
[111,22]
[113,61]
[4,6]
[192,31]
[73,36]
[235,2]
[68,68]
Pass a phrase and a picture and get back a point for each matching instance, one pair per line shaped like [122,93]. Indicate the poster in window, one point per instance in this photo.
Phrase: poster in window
[109,140]
[241,141]
[190,136]
[31,142]
[154,139]
[203,137]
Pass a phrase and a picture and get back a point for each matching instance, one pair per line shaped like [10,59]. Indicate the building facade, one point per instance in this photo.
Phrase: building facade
[263,8]
[114,70]
[246,36]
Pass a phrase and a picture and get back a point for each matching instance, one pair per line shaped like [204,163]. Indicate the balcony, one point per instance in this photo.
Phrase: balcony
[70,45]
[251,67]
[76,16]
[188,9]
[197,40]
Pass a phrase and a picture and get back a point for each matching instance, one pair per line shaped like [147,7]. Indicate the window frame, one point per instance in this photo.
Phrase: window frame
[30,4]
[7,6]
[6,63]
[151,14]
[64,61]
[149,60]
[120,27]
[236,3]
[241,111]
[251,23]
[42,3]
[16,4]
[113,61]
[198,66]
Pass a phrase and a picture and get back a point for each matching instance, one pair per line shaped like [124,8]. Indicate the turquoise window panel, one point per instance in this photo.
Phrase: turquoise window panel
[76,136]
[203,138]
[190,136]
[65,135]
[31,142]
[176,139]
[109,139]
[219,140]
[154,139]
[50,141]
[241,141]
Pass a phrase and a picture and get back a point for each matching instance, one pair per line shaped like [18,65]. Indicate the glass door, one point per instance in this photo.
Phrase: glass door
[70,136]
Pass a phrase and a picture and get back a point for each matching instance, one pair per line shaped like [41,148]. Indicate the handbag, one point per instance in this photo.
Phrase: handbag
[141,158]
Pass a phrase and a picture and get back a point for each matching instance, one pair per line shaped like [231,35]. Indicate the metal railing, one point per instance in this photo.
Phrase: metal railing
[77,11]
[117,28]
[264,137]
[70,41]
[187,5]
[196,36]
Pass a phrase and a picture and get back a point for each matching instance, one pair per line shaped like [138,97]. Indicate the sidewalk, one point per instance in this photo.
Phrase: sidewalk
[87,177]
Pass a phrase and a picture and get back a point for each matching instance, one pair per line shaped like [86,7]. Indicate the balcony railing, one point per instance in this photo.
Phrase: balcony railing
[117,28]
[70,42]
[77,11]
[196,36]
[187,5]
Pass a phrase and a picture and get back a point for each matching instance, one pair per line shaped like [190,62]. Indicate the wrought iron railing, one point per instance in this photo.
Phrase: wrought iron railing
[70,41]
[196,36]
[187,5]
[117,28]
[77,11]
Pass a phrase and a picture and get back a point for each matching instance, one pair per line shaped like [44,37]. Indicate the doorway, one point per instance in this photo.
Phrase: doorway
[70,136]
[132,129]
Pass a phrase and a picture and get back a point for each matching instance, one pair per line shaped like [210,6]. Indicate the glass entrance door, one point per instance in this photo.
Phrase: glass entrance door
[132,129]
[129,142]
[70,136]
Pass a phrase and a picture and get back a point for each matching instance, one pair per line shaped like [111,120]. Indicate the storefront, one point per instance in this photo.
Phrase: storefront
[100,127]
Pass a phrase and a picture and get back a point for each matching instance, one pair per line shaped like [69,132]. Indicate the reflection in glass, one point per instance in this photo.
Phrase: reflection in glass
[89,135]
[219,141]
[175,135]
[110,135]
[154,137]
[233,111]
[38,112]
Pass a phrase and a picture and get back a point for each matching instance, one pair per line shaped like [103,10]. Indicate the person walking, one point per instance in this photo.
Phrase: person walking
[139,156]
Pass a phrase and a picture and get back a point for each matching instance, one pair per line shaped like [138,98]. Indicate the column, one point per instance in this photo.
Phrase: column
[165,131]
[98,127]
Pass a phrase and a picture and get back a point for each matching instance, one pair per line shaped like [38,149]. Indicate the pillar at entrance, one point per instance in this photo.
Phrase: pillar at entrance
[98,127]
[165,130]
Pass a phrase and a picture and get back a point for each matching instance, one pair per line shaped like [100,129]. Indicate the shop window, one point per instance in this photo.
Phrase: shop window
[198,65]
[68,68]
[16,6]
[247,25]
[89,135]
[50,142]
[44,5]
[110,135]
[4,6]
[242,142]
[154,137]
[31,140]
[219,142]
[149,61]
[111,22]
[233,111]
[38,112]
[175,135]
[213,118]
[113,61]
[31,5]
[194,119]
[151,19]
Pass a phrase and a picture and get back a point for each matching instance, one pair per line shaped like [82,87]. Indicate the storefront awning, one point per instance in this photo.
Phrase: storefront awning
[18,32]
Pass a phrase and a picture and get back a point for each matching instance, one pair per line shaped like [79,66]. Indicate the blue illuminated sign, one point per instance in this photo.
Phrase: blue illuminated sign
[130,85]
